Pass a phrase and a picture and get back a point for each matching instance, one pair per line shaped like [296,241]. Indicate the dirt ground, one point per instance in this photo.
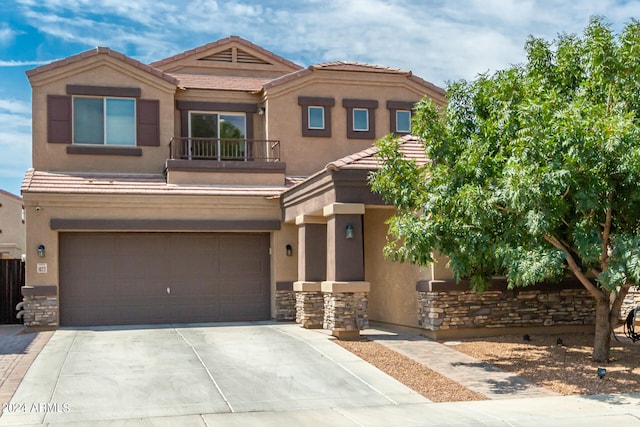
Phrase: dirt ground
[564,368]
[567,368]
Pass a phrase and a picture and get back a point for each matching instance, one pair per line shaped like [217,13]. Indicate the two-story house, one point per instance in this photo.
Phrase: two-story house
[12,226]
[227,183]
[203,186]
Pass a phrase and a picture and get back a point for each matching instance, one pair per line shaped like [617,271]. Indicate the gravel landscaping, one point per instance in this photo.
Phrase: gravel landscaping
[567,368]
[564,368]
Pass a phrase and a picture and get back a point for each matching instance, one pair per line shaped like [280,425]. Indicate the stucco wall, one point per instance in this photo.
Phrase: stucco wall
[100,70]
[393,296]
[284,269]
[125,207]
[306,155]
[12,228]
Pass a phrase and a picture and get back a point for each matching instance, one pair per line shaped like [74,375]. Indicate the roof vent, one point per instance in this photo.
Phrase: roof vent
[247,58]
[224,56]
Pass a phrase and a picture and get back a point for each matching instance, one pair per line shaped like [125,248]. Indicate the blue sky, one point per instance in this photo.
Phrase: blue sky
[438,40]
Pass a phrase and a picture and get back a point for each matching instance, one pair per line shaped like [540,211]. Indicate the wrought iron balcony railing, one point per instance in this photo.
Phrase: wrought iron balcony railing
[224,149]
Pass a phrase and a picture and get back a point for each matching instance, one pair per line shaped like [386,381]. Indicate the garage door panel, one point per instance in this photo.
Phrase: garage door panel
[236,310]
[122,278]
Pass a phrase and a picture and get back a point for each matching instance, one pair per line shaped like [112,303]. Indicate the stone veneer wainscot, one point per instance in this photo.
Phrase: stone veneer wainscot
[39,306]
[446,305]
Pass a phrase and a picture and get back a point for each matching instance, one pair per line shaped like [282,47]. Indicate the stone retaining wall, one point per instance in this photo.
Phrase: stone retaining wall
[345,310]
[631,301]
[452,306]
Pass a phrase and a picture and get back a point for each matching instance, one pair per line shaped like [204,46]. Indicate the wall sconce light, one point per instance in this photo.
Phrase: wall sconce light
[41,251]
[349,231]
[288,250]
[261,111]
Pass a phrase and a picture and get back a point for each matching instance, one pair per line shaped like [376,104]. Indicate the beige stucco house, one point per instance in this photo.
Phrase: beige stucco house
[227,183]
[12,226]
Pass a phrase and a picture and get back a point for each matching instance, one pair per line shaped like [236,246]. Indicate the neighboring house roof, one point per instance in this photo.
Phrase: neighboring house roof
[221,42]
[101,51]
[352,67]
[131,184]
[13,196]
[195,81]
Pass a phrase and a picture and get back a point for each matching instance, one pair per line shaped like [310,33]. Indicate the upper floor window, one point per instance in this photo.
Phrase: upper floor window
[103,120]
[107,121]
[403,121]
[207,124]
[316,115]
[361,118]
[400,113]
[219,136]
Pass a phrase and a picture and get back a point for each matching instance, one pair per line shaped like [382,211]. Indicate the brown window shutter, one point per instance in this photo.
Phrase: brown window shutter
[148,122]
[59,119]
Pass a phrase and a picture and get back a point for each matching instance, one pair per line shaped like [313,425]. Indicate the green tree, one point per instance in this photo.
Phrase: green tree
[534,172]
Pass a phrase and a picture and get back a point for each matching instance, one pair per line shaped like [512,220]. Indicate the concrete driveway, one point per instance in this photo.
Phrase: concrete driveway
[180,375]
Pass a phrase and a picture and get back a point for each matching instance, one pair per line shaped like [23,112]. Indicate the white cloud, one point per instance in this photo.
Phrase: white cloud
[12,63]
[15,141]
[15,107]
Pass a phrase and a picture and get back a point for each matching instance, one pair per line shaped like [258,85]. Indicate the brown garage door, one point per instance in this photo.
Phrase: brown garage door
[139,278]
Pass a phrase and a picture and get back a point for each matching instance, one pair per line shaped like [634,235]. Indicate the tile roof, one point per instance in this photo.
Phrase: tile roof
[358,66]
[410,146]
[221,42]
[101,51]
[196,81]
[132,184]
[353,67]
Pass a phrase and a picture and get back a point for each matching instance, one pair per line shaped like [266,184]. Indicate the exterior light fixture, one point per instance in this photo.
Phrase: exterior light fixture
[349,231]
[261,111]
[601,373]
[41,251]
[288,250]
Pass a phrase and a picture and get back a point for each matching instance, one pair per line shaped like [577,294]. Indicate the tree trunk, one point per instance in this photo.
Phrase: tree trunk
[602,340]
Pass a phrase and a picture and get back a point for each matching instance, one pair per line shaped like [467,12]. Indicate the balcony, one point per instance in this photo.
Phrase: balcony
[224,149]
[224,161]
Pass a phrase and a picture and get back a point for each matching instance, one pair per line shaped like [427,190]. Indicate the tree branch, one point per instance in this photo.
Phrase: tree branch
[606,230]
[616,305]
[573,266]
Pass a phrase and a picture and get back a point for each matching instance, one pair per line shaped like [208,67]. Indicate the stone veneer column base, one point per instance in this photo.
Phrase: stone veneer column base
[309,304]
[39,306]
[285,302]
[345,306]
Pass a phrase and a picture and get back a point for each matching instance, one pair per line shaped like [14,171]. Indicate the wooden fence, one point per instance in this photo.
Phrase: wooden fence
[11,280]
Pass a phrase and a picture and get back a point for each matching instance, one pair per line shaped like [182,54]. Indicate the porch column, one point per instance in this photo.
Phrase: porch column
[345,290]
[312,266]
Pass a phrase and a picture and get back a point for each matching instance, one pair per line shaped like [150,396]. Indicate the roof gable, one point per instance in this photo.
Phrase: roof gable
[52,67]
[358,67]
[229,53]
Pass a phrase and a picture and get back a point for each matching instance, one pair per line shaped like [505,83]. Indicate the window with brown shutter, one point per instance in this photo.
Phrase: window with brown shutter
[148,122]
[59,119]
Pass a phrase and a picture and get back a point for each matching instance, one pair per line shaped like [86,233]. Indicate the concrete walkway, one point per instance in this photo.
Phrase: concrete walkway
[472,373]
[18,349]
